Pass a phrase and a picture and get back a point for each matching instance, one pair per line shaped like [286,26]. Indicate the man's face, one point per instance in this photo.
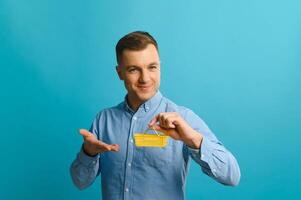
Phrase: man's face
[140,71]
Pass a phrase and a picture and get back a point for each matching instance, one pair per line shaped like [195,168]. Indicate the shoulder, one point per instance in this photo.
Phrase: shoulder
[173,107]
[110,111]
[188,115]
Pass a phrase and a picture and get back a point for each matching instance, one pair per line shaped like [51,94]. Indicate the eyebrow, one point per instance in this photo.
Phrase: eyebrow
[154,63]
[150,64]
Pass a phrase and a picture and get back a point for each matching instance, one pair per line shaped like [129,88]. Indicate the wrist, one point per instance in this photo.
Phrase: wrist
[88,153]
[195,141]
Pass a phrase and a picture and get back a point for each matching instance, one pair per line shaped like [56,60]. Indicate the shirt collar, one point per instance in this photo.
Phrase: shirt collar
[151,103]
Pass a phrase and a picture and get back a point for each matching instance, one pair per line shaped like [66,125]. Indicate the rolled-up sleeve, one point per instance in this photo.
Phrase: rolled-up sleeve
[84,169]
[215,160]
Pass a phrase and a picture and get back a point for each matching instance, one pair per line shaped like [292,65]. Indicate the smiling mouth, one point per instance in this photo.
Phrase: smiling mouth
[143,87]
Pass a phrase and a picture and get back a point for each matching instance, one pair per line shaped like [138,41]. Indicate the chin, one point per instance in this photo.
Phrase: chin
[144,96]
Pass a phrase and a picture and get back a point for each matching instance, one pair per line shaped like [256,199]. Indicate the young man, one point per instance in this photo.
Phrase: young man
[131,172]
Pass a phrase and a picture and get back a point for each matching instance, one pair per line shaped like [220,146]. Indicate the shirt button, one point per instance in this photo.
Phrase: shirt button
[126,189]
[129,164]
[131,140]
[135,118]
[202,156]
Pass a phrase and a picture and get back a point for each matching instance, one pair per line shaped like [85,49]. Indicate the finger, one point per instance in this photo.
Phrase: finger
[169,132]
[169,121]
[169,118]
[115,147]
[157,118]
[107,147]
[102,147]
[153,121]
[159,128]
[162,119]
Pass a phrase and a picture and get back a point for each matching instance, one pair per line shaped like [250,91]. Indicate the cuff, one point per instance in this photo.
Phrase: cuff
[206,150]
[204,153]
[87,160]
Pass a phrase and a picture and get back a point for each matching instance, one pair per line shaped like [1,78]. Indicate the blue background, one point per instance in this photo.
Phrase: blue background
[235,63]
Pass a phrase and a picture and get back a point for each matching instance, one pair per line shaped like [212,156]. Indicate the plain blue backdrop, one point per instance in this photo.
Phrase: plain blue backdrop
[235,63]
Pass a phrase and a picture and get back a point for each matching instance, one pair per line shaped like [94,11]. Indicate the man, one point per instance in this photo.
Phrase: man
[131,172]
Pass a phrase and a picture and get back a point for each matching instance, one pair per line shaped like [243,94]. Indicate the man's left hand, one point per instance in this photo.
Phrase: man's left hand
[173,125]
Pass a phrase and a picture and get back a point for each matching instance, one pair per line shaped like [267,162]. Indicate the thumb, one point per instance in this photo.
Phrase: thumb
[85,133]
[158,128]
[153,121]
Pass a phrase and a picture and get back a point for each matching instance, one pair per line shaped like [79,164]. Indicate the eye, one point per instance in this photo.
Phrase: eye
[132,70]
[153,67]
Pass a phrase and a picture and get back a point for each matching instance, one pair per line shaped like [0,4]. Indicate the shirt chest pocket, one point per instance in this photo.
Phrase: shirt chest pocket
[157,157]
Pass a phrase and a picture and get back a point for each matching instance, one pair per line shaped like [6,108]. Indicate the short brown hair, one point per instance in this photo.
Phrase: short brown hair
[137,40]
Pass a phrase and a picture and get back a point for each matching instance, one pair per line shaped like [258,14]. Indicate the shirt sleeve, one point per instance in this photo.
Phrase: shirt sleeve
[84,169]
[215,160]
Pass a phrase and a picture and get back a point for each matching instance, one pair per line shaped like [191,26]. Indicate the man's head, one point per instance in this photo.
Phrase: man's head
[138,65]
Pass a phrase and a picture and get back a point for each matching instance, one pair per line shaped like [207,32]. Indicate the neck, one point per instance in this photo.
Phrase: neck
[133,103]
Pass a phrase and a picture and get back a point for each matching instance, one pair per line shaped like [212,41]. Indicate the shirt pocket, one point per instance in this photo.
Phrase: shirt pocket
[156,156]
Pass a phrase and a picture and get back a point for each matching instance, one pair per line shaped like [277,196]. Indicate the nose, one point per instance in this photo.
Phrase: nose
[144,76]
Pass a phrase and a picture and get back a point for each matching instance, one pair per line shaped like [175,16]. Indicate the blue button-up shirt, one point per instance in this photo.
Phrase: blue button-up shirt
[149,172]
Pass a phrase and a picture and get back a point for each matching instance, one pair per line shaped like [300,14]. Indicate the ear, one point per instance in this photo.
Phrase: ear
[119,72]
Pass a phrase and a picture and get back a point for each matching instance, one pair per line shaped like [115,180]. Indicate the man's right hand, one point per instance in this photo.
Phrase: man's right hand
[93,146]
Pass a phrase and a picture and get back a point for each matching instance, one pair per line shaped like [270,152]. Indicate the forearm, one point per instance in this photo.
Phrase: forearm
[216,161]
[194,141]
[84,170]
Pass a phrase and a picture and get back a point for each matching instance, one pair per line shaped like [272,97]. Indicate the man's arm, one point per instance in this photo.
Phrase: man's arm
[216,161]
[85,167]
[202,145]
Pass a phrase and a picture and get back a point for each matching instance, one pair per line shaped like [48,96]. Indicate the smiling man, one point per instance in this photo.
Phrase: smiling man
[140,71]
[131,172]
